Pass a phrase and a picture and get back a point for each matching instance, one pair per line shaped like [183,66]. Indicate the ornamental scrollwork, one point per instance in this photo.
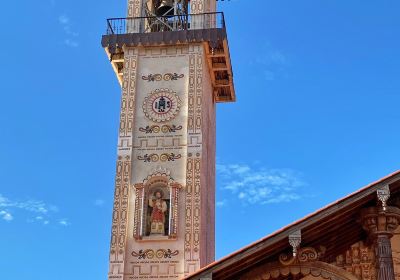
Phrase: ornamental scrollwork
[149,158]
[152,77]
[151,254]
[304,255]
[170,157]
[164,129]
[159,77]
[170,128]
[172,76]
[150,129]
[163,157]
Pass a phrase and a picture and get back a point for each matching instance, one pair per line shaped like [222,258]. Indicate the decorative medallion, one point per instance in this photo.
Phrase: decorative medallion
[161,105]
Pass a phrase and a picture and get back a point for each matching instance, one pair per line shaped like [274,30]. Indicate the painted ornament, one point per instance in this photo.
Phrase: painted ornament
[161,105]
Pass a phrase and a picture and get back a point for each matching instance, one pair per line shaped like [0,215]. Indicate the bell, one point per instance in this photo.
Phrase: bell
[166,8]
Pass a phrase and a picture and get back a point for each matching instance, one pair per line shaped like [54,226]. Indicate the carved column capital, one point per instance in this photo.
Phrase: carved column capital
[377,221]
[380,223]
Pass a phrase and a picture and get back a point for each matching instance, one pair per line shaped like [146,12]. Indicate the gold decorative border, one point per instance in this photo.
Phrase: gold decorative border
[193,172]
[123,166]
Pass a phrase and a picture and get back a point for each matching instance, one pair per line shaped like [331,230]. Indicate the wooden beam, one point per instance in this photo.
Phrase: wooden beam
[225,85]
[229,66]
[221,69]
[217,55]
[210,69]
[114,66]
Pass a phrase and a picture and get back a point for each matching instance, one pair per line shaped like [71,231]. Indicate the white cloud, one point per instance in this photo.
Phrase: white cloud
[66,24]
[64,222]
[31,205]
[272,57]
[6,216]
[63,19]
[53,208]
[273,61]
[71,43]
[269,75]
[260,185]
[33,210]
[99,202]
[222,203]
[42,220]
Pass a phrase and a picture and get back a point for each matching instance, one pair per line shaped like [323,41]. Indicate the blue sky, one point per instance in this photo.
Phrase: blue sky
[317,117]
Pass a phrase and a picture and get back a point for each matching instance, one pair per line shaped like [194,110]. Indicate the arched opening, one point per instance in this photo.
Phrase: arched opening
[156,211]
[157,208]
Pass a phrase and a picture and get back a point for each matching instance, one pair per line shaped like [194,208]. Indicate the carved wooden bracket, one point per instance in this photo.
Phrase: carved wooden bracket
[383,195]
[295,241]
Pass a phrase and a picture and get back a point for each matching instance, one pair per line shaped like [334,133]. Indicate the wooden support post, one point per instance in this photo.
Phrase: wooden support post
[380,225]
[384,259]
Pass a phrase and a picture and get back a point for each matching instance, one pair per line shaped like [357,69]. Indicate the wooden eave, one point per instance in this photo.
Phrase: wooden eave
[219,64]
[335,226]
[215,44]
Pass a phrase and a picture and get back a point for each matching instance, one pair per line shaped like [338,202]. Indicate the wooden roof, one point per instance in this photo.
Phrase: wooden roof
[335,226]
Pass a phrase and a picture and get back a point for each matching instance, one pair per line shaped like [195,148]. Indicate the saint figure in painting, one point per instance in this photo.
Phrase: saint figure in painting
[157,219]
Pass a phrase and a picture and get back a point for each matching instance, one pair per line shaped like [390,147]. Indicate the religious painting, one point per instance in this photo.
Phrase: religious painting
[158,208]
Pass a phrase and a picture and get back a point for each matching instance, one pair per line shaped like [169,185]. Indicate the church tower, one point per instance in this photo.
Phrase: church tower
[172,60]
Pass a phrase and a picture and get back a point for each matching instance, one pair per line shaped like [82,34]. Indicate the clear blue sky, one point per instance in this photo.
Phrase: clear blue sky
[317,117]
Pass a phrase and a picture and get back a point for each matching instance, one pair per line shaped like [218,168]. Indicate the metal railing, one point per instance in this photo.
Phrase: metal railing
[165,23]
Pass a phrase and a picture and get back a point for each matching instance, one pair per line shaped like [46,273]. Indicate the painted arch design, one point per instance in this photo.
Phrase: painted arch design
[316,269]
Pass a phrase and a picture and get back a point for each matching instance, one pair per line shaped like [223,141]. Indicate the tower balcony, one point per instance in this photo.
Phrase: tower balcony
[207,28]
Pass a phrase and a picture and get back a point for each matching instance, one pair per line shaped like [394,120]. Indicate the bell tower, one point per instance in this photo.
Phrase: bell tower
[172,60]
